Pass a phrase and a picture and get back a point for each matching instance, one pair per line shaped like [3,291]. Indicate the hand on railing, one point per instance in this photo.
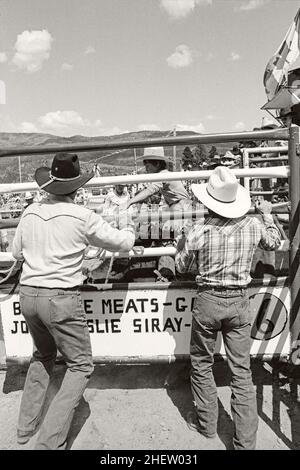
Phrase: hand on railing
[263,207]
[160,277]
[138,250]
[180,242]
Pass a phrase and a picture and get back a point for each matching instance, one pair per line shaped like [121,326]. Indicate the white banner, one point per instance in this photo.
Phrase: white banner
[154,322]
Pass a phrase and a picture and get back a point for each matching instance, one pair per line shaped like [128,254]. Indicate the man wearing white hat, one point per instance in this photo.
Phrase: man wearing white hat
[222,248]
[229,159]
[174,193]
[267,123]
[29,199]
[176,198]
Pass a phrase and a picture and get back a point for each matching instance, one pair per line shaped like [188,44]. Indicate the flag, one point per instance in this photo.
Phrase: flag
[277,68]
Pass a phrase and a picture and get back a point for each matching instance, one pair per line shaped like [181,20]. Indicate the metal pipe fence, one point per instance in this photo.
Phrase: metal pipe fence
[292,172]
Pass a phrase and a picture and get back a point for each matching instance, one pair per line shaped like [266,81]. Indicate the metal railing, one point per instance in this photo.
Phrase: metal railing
[292,172]
[278,134]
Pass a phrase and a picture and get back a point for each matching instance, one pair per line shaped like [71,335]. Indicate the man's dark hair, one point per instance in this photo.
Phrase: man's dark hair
[162,165]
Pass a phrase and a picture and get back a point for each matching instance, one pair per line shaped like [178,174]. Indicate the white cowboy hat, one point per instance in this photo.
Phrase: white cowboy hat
[267,123]
[229,156]
[154,153]
[223,194]
[28,196]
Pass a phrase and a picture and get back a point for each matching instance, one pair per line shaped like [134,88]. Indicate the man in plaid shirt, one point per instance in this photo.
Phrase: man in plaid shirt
[221,249]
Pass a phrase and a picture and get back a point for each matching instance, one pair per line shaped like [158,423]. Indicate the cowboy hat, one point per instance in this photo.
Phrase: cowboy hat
[223,194]
[228,156]
[154,153]
[229,159]
[267,123]
[64,177]
[28,196]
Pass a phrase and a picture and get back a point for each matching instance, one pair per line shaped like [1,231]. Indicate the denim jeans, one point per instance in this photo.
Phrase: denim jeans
[56,321]
[226,311]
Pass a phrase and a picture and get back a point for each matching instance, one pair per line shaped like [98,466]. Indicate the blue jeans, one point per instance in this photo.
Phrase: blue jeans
[56,321]
[227,311]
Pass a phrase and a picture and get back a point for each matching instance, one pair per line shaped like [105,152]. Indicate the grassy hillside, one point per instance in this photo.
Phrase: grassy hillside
[118,163]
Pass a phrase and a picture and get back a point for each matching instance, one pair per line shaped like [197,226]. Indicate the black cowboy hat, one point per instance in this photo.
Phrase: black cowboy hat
[64,177]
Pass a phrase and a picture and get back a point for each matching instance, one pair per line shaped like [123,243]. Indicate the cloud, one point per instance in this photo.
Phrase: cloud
[67,123]
[234,57]
[8,125]
[32,49]
[239,126]
[3,57]
[192,128]
[181,8]
[113,131]
[28,127]
[252,5]
[90,50]
[67,67]
[211,117]
[182,57]
[148,127]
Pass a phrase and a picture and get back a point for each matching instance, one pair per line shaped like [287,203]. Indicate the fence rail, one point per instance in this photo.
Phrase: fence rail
[292,171]
[279,134]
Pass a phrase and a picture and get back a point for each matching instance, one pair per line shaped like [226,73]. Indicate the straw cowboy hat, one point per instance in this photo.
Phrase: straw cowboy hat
[223,194]
[154,153]
[64,177]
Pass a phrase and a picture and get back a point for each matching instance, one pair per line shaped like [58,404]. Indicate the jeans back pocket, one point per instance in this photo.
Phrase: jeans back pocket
[66,308]
[242,308]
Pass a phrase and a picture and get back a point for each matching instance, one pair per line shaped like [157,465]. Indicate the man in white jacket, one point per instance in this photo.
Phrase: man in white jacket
[51,239]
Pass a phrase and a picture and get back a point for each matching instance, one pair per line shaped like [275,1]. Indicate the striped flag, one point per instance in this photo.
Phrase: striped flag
[277,68]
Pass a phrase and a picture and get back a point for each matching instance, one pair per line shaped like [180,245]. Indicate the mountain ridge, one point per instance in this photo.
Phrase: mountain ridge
[109,163]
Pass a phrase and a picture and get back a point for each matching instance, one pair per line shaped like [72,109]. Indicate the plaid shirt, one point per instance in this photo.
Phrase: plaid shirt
[221,250]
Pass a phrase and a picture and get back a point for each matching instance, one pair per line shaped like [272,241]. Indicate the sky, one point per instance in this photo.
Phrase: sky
[105,67]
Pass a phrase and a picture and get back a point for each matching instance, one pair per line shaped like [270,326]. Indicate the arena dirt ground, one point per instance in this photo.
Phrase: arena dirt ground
[145,406]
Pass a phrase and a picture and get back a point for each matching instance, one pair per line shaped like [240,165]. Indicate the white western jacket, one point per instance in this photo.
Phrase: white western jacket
[52,236]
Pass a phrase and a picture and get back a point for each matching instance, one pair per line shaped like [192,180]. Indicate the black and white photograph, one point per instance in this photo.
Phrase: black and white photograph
[149,228]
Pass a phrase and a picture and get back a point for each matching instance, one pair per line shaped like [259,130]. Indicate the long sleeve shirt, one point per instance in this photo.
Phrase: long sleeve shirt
[114,202]
[220,251]
[52,237]
[172,191]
